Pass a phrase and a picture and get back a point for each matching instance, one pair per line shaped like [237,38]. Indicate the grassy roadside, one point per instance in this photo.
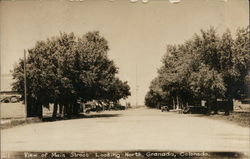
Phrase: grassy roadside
[16,122]
[240,118]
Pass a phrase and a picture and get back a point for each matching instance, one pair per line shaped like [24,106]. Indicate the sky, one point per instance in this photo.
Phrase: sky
[137,33]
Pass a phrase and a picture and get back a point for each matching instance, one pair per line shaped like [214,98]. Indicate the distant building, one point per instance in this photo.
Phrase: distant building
[6,91]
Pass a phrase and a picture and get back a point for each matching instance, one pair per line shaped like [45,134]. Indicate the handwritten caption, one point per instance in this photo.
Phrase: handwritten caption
[104,155]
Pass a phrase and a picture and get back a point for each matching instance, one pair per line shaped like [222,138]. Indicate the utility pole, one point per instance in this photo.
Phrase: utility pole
[25,85]
[136,87]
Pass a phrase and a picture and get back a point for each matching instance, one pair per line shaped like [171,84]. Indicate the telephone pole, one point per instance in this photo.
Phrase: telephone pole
[25,84]
[136,87]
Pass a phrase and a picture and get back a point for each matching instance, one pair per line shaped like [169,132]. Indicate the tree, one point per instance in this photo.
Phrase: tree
[206,67]
[156,97]
[206,79]
[65,69]
[241,63]
[117,90]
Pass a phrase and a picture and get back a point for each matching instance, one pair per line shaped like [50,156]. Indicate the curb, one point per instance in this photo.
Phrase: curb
[5,124]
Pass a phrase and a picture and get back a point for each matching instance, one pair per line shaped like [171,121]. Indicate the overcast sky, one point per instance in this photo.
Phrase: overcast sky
[137,33]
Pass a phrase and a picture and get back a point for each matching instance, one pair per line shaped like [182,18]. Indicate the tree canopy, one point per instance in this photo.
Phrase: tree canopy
[206,67]
[65,69]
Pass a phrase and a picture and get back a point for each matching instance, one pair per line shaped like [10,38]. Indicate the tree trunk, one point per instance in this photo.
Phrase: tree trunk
[229,106]
[173,104]
[65,106]
[208,108]
[76,108]
[31,108]
[55,110]
[61,110]
[82,107]
[178,103]
[69,110]
[212,104]
[39,111]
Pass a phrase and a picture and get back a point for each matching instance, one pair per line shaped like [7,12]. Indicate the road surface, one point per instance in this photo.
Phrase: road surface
[135,129]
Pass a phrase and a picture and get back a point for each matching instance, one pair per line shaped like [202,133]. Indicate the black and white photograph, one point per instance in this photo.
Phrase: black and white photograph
[125,79]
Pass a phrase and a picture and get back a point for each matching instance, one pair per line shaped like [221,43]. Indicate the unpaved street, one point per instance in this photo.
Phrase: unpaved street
[135,129]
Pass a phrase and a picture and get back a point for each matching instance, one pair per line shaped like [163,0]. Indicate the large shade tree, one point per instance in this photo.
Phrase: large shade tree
[66,69]
[206,67]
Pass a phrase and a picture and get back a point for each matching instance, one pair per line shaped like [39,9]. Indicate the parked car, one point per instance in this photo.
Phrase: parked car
[195,110]
[164,109]
[118,107]
[96,109]
[10,99]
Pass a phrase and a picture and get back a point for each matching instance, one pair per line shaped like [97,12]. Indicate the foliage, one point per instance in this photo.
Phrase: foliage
[206,67]
[65,69]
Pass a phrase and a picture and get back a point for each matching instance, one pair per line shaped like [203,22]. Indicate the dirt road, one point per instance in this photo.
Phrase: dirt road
[135,129]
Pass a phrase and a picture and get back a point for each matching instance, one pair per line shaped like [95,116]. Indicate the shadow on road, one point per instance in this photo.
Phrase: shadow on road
[80,116]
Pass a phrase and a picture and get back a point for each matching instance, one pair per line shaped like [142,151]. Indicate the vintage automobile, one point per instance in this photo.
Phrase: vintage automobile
[10,99]
[165,108]
[118,107]
[92,107]
[195,110]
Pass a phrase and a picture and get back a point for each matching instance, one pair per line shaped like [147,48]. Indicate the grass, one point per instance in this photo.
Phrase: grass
[17,122]
[240,118]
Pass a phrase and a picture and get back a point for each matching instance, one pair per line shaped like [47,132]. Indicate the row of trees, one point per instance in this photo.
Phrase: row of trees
[206,67]
[66,69]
